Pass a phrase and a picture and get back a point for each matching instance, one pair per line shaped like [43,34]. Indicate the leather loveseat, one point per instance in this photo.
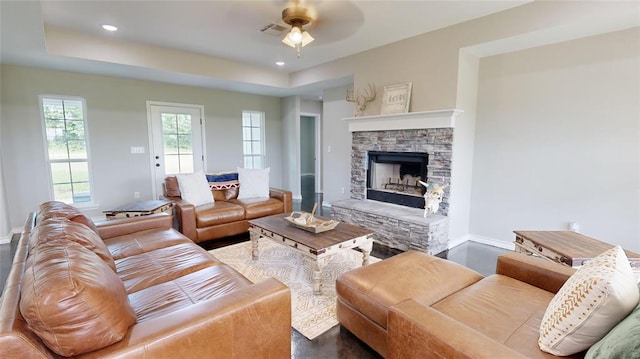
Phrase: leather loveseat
[227,215]
[414,305]
[132,288]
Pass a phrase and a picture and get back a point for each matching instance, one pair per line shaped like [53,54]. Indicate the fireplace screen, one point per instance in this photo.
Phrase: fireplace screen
[394,177]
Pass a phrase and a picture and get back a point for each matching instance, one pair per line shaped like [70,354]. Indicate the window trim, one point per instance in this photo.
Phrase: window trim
[263,147]
[92,204]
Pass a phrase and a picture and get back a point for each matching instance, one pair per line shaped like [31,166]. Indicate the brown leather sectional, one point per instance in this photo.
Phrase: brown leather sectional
[227,216]
[133,288]
[418,306]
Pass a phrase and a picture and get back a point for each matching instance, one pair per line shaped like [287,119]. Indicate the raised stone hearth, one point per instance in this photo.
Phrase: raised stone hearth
[395,225]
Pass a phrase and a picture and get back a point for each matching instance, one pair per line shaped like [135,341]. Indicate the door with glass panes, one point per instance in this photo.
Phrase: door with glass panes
[177,143]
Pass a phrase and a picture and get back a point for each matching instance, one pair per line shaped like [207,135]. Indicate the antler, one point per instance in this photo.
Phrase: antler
[362,100]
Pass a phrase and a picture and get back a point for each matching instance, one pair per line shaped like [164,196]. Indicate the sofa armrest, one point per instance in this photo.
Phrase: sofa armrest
[185,213]
[533,270]
[284,196]
[416,331]
[254,322]
[121,226]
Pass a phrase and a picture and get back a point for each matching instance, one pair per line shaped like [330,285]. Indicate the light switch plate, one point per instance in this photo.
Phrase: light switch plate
[137,149]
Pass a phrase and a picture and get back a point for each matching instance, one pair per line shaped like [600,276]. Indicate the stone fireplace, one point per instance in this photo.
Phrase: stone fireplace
[389,154]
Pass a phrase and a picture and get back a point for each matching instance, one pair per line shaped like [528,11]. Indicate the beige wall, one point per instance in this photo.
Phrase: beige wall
[117,120]
[558,140]
[432,62]
[5,223]
[336,146]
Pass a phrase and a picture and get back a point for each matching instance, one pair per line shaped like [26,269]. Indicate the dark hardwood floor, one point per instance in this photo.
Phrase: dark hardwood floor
[337,342]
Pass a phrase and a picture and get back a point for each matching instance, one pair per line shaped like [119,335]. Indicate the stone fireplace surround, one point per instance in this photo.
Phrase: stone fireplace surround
[399,226]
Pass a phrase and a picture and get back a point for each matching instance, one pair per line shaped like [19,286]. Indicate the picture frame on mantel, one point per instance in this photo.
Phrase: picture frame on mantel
[396,98]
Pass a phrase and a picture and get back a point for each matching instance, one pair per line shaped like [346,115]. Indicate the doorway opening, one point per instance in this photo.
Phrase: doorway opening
[310,163]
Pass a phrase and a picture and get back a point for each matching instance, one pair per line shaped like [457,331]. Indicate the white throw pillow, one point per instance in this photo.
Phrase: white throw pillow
[253,183]
[592,301]
[194,188]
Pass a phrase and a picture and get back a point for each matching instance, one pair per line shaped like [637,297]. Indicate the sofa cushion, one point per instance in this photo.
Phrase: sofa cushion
[52,231]
[72,300]
[143,241]
[260,207]
[194,188]
[373,289]
[622,342]
[171,187]
[592,301]
[218,213]
[207,283]
[60,209]
[162,265]
[253,182]
[502,308]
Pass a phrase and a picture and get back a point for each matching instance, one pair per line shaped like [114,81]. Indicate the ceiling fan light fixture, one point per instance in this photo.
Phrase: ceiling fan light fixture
[295,35]
[297,17]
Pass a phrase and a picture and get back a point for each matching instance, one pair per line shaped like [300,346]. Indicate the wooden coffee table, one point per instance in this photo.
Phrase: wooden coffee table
[566,247]
[317,247]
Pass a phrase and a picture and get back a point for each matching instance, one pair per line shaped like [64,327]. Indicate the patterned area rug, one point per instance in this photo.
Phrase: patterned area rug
[311,314]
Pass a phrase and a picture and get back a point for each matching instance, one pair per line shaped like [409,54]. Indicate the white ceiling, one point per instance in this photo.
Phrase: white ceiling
[226,32]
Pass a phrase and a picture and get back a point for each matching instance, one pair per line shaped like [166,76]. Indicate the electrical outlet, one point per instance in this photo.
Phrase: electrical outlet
[136,195]
[574,226]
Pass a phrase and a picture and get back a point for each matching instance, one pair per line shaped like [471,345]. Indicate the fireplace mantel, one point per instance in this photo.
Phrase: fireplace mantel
[404,121]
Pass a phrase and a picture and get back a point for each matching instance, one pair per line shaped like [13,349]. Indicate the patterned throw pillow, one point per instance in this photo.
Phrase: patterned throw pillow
[592,301]
[224,185]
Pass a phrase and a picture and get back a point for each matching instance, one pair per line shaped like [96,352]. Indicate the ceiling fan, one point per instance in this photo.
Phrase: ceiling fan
[297,16]
[329,20]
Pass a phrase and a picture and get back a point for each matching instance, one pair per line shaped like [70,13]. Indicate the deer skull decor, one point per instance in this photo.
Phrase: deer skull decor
[432,197]
[361,100]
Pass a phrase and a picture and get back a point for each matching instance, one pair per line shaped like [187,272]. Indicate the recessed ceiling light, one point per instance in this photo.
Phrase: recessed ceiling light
[110,27]
[280,63]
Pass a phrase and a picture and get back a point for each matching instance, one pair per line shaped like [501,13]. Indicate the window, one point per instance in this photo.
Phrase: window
[65,132]
[253,139]
[177,139]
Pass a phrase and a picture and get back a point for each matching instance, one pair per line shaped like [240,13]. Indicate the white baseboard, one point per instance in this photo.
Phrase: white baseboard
[296,197]
[7,239]
[326,204]
[457,241]
[491,242]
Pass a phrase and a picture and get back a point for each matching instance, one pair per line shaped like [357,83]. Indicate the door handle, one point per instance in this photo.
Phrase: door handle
[157,165]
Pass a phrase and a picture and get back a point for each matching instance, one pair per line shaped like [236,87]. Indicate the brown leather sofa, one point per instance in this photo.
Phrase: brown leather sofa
[135,288]
[227,216]
[414,305]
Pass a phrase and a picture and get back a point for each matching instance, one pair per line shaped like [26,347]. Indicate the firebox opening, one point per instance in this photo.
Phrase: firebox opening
[394,177]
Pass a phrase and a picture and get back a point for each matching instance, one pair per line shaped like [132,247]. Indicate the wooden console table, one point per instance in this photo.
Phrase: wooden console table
[139,208]
[566,247]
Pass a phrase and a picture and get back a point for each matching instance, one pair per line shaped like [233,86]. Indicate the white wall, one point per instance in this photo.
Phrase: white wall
[117,120]
[463,143]
[558,140]
[336,136]
[290,144]
[5,224]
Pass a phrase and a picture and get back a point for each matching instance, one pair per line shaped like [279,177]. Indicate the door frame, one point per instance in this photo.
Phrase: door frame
[154,189]
[318,150]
